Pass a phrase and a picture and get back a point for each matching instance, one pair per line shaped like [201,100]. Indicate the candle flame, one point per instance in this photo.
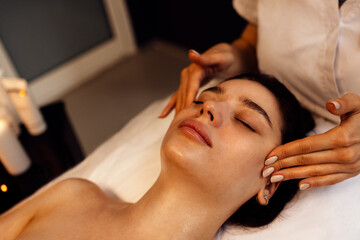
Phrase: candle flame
[22,93]
[4,188]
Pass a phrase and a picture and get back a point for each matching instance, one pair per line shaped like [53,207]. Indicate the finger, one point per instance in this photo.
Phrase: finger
[195,79]
[206,59]
[194,56]
[178,105]
[344,135]
[182,91]
[320,142]
[348,104]
[193,76]
[326,180]
[313,171]
[169,107]
[299,160]
[339,155]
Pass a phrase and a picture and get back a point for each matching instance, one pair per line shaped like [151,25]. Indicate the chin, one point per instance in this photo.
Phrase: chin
[178,151]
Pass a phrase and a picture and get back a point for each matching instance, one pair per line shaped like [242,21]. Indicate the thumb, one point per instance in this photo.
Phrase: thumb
[348,104]
[203,59]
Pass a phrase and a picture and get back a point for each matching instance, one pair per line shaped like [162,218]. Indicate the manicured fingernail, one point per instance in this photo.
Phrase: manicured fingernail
[161,115]
[268,171]
[336,104]
[195,52]
[304,186]
[271,160]
[276,178]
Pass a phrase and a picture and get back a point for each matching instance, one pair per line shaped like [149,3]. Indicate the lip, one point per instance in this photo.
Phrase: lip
[196,131]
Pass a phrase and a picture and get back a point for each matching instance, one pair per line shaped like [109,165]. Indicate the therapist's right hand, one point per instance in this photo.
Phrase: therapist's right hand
[218,61]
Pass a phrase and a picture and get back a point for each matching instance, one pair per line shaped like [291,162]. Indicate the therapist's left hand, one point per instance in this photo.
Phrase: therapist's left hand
[322,159]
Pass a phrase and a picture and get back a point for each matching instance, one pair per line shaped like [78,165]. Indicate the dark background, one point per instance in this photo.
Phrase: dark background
[51,153]
[197,24]
[71,27]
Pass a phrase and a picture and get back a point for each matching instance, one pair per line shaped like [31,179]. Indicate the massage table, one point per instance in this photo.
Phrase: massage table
[126,166]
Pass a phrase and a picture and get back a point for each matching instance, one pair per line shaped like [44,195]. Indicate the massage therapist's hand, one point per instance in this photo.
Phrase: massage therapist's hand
[219,61]
[322,159]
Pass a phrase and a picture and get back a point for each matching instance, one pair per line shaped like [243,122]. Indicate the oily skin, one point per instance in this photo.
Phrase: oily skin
[199,186]
[236,153]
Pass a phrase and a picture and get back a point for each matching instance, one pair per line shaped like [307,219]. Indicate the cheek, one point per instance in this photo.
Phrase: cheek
[241,156]
[236,145]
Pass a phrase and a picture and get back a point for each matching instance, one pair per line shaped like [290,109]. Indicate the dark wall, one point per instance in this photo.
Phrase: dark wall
[196,24]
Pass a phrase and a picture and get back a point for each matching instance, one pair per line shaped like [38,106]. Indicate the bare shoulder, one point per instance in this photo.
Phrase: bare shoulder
[74,190]
[62,191]
[16,219]
[76,185]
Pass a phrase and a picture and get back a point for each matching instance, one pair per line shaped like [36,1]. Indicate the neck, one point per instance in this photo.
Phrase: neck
[173,210]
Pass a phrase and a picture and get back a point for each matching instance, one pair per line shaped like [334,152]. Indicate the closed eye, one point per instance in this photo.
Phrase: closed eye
[237,119]
[245,124]
[198,102]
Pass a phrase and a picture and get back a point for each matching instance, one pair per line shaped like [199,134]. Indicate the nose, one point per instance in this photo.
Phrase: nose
[211,111]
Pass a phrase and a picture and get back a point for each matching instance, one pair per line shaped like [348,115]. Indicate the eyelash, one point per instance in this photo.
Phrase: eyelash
[237,119]
[245,124]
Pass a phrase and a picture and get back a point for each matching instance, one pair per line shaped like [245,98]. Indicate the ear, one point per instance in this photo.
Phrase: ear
[267,192]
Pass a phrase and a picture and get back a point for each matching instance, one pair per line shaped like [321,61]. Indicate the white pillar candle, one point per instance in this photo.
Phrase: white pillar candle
[12,154]
[7,116]
[6,102]
[25,105]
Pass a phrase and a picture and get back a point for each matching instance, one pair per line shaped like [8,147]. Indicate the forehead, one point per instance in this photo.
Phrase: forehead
[246,87]
[242,88]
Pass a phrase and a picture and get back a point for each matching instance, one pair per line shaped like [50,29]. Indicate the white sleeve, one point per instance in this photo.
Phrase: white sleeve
[247,9]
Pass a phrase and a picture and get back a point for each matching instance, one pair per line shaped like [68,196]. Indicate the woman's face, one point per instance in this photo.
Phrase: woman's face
[221,141]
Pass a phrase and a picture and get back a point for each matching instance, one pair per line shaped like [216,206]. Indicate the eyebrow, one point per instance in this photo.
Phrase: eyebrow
[215,89]
[247,102]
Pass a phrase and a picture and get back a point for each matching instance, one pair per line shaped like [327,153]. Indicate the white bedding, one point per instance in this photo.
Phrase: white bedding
[128,163]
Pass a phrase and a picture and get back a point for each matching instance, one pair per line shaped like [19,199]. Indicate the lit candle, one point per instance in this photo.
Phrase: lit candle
[4,188]
[25,105]
[12,155]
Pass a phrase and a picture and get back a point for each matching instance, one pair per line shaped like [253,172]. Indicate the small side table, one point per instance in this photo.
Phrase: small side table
[51,153]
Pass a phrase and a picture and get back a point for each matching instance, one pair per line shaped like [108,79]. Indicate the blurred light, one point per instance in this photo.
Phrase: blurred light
[22,93]
[4,188]
[3,123]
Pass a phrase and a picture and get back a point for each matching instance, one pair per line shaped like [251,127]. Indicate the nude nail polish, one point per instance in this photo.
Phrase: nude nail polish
[276,178]
[195,52]
[304,186]
[271,160]
[336,104]
[268,171]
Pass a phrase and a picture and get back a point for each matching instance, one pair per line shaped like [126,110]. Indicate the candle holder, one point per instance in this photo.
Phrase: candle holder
[25,105]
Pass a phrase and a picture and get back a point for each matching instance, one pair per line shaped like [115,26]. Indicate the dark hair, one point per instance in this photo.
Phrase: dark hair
[297,121]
